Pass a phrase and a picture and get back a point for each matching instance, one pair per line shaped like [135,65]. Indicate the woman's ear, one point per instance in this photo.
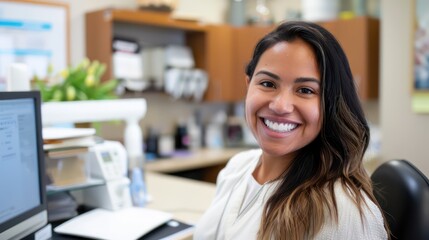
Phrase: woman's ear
[247,81]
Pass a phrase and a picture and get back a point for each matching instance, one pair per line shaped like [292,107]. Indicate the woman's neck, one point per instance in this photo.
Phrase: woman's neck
[271,168]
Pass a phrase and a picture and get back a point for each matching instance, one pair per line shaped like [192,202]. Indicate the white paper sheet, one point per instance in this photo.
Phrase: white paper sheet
[125,224]
[55,133]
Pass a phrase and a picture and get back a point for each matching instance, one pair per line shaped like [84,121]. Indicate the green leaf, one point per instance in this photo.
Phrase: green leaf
[81,95]
[99,72]
[108,86]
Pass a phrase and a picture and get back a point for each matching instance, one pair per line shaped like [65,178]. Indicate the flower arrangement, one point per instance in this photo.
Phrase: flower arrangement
[77,83]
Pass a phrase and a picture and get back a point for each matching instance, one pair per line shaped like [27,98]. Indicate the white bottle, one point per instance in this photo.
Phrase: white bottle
[215,131]
[194,133]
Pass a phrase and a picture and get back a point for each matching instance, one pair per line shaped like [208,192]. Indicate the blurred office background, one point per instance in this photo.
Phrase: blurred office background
[400,132]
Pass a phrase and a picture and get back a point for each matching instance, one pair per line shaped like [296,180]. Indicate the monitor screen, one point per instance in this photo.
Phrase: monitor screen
[22,187]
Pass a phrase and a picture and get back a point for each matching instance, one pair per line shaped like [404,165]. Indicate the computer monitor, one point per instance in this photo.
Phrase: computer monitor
[22,168]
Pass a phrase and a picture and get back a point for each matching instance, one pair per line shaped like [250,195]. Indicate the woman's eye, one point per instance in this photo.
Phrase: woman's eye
[268,84]
[306,91]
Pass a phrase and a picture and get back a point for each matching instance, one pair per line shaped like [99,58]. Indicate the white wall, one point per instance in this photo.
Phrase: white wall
[208,11]
[77,9]
[405,134]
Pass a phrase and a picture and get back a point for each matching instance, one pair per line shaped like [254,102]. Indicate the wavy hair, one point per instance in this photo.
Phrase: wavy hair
[298,207]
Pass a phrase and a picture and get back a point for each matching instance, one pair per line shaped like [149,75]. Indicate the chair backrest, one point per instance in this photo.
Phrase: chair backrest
[403,194]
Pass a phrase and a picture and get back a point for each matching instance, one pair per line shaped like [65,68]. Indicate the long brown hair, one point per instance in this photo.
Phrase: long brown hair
[298,207]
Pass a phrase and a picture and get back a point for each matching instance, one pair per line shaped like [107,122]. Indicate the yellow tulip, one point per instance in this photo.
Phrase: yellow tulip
[70,93]
[64,73]
[93,67]
[85,63]
[89,80]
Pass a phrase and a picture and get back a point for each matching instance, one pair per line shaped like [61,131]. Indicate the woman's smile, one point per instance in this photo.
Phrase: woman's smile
[280,127]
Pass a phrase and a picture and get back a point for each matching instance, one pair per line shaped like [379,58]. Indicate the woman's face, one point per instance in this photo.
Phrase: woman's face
[283,99]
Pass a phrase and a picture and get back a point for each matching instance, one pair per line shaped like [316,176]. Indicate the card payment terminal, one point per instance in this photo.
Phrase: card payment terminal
[108,161]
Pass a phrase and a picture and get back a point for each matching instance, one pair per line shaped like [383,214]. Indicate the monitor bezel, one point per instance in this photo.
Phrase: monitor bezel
[42,207]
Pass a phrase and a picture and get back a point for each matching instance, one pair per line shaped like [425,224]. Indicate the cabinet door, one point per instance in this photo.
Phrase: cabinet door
[359,38]
[98,32]
[218,62]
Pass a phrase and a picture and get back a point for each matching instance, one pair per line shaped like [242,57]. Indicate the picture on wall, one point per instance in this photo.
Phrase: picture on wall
[421,46]
[420,57]
[33,33]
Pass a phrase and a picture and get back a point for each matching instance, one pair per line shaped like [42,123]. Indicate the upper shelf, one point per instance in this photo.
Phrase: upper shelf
[153,18]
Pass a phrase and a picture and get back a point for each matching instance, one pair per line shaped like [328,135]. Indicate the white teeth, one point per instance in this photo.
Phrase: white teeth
[280,127]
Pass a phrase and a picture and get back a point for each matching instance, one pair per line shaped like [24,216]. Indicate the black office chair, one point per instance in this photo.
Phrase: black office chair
[403,194]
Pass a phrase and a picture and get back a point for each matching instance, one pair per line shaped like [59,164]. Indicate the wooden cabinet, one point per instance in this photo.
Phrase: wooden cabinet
[360,39]
[221,50]
[151,28]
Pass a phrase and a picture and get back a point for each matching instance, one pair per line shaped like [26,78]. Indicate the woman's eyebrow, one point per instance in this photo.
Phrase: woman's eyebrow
[270,74]
[307,79]
[298,80]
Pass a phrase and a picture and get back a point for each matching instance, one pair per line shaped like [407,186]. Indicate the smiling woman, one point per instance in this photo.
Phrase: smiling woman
[307,180]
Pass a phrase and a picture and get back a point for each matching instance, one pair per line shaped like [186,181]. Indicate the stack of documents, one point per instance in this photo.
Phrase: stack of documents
[67,138]
[66,155]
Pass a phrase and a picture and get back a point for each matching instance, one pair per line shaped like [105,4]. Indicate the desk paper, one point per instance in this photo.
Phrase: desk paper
[125,224]
[55,133]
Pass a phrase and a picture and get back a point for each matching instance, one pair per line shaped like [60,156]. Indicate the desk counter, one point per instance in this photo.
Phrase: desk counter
[186,199]
[194,160]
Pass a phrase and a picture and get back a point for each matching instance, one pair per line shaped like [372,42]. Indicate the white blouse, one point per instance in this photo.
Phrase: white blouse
[232,217]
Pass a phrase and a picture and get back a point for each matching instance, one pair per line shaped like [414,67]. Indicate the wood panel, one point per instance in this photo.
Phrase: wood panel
[219,63]
[359,38]
[244,42]
[373,58]
[98,30]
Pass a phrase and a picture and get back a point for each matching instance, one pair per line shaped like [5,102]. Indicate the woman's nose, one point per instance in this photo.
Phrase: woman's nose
[283,102]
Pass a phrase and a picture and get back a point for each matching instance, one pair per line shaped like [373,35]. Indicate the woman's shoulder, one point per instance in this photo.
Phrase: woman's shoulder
[240,163]
[347,204]
[351,224]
